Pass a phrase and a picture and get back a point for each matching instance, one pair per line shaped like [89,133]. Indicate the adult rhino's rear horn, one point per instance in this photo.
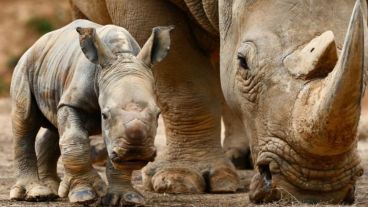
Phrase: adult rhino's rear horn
[332,113]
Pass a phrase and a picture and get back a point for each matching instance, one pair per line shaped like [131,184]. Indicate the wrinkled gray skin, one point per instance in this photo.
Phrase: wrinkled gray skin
[295,88]
[75,87]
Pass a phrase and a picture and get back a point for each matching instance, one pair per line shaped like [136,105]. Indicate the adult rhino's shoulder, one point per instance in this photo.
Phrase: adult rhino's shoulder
[118,39]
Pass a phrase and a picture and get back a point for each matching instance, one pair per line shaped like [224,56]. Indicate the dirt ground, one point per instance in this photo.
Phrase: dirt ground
[153,199]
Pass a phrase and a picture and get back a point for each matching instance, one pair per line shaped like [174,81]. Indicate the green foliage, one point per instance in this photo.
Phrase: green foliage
[4,87]
[12,61]
[40,25]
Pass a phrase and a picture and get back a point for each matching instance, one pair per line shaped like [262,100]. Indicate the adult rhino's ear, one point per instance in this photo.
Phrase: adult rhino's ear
[157,46]
[94,48]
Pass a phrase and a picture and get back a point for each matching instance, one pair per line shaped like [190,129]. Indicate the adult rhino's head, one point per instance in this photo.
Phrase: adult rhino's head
[125,87]
[295,76]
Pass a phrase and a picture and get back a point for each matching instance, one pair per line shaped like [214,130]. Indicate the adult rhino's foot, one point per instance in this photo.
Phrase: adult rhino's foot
[33,191]
[83,189]
[241,158]
[190,177]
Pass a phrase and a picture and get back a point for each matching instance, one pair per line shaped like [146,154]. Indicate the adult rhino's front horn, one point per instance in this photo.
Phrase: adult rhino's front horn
[326,113]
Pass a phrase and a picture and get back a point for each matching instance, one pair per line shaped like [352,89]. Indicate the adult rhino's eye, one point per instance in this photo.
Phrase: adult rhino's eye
[243,62]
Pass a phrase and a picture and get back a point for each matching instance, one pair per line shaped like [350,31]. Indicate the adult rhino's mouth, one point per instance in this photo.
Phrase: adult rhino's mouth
[284,173]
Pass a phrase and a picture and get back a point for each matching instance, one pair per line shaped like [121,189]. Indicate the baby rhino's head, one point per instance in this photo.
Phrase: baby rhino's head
[124,84]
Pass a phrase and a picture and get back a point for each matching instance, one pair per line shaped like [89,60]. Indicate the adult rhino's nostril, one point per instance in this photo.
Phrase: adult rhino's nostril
[135,130]
[350,196]
[265,171]
[261,189]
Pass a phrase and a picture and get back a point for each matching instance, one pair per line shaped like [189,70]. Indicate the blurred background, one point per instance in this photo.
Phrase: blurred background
[22,22]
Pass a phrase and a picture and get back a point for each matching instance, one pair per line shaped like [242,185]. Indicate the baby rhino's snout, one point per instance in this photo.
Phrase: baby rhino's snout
[136,131]
[136,145]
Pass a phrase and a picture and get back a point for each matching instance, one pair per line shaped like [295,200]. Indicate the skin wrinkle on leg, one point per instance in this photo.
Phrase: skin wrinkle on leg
[75,153]
[74,142]
[48,153]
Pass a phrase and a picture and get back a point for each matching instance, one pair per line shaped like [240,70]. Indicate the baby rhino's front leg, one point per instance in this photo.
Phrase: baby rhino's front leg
[81,182]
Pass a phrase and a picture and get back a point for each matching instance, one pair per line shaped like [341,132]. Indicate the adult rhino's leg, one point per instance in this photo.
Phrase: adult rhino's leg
[94,10]
[48,153]
[236,143]
[76,12]
[81,182]
[25,125]
[188,93]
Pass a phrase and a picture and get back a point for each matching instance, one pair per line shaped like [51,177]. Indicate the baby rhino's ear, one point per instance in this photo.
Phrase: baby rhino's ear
[157,46]
[93,47]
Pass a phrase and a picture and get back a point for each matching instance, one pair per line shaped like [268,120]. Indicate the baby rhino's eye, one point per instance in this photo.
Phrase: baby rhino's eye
[105,114]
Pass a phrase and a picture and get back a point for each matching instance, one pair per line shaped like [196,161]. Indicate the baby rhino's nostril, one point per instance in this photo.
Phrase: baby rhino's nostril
[135,130]
[118,152]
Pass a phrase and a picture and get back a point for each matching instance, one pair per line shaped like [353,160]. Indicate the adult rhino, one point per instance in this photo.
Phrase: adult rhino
[77,85]
[289,71]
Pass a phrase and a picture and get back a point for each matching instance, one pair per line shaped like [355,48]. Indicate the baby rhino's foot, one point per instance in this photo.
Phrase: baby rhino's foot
[33,191]
[83,189]
[122,197]
[191,177]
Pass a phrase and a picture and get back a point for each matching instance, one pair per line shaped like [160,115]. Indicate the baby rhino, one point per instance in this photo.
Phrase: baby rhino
[99,82]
